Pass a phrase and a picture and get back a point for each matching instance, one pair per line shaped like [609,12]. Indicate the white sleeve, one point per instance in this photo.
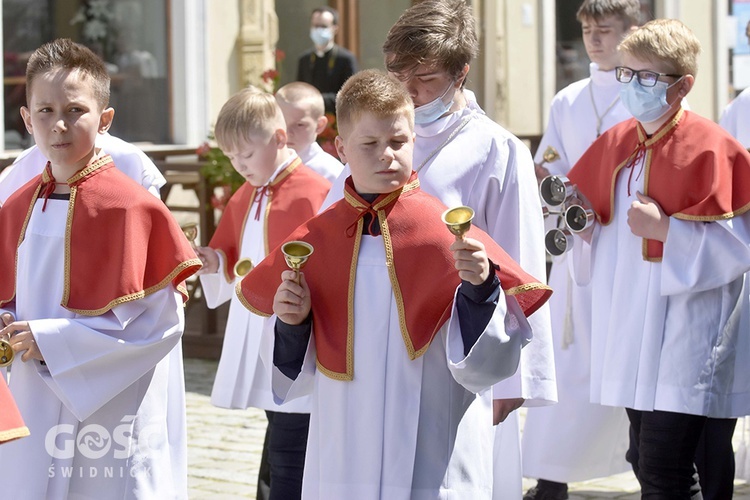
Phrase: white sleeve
[700,256]
[497,352]
[285,389]
[90,360]
[553,137]
[216,288]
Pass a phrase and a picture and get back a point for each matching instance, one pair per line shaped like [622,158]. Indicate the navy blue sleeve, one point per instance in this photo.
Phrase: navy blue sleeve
[290,346]
[476,305]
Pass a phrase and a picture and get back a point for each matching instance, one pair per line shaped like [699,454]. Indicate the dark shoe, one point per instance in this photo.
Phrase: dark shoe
[547,490]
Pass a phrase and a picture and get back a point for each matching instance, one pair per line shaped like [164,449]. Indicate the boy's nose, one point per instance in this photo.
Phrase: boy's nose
[60,126]
[387,154]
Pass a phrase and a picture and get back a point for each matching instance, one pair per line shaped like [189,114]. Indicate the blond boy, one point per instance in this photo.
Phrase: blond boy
[400,374]
[280,193]
[304,113]
[670,191]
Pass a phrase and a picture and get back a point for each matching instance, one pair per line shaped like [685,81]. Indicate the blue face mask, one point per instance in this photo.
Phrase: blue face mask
[428,113]
[321,36]
[646,104]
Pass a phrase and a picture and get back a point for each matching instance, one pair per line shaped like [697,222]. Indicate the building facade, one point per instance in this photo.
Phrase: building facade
[175,62]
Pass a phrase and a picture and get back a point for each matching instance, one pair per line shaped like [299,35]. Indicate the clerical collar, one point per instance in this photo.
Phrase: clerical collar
[326,49]
[602,78]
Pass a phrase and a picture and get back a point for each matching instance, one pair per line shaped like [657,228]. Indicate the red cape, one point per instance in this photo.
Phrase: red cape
[422,272]
[693,169]
[11,423]
[122,243]
[294,196]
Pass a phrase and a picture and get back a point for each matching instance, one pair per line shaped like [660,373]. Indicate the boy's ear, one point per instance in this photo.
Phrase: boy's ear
[281,138]
[105,120]
[321,124]
[462,76]
[339,143]
[686,85]
[26,116]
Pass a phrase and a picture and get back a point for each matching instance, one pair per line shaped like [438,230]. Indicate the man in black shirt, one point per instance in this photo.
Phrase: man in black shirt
[326,66]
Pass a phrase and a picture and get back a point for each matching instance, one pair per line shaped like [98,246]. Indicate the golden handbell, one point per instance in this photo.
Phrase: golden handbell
[6,353]
[458,220]
[243,266]
[191,232]
[296,254]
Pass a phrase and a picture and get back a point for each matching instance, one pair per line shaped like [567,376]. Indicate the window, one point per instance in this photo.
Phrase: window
[130,35]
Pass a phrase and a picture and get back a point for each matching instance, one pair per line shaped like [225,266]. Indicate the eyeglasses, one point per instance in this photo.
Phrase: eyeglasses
[645,77]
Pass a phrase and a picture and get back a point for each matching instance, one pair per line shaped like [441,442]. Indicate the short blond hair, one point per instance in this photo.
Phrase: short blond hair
[250,112]
[372,91]
[665,40]
[303,94]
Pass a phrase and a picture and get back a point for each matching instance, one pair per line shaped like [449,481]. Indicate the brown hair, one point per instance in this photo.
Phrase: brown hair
[440,33]
[301,93]
[249,112]
[665,40]
[371,91]
[66,54]
[627,11]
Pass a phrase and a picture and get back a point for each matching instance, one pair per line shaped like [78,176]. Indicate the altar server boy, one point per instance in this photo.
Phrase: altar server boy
[280,194]
[399,371]
[671,192]
[92,292]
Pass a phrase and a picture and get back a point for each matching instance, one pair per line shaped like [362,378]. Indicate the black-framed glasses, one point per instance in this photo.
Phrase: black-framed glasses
[645,77]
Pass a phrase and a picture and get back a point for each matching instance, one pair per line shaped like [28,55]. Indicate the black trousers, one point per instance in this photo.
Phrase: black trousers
[662,452]
[283,459]
[714,459]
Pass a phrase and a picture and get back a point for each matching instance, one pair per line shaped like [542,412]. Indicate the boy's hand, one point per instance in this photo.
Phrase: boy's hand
[209,258]
[471,260]
[647,220]
[7,319]
[501,408]
[292,301]
[21,339]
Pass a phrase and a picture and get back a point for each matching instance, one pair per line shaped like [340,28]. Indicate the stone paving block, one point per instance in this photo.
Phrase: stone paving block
[224,448]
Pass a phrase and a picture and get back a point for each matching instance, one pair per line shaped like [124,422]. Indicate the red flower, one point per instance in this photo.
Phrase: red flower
[280,55]
[270,75]
[203,150]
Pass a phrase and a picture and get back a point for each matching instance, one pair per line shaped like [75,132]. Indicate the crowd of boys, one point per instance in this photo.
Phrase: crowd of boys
[391,364]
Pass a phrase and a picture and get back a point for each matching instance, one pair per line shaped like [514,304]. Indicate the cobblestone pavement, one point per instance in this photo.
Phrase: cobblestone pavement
[224,449]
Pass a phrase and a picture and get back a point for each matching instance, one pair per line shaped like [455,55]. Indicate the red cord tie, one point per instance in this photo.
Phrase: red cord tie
[48,187]
[635,157]
[350,231]
[259,194]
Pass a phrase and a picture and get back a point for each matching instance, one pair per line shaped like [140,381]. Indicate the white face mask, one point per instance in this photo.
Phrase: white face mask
[646,104]
[428,113]
[321,36]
